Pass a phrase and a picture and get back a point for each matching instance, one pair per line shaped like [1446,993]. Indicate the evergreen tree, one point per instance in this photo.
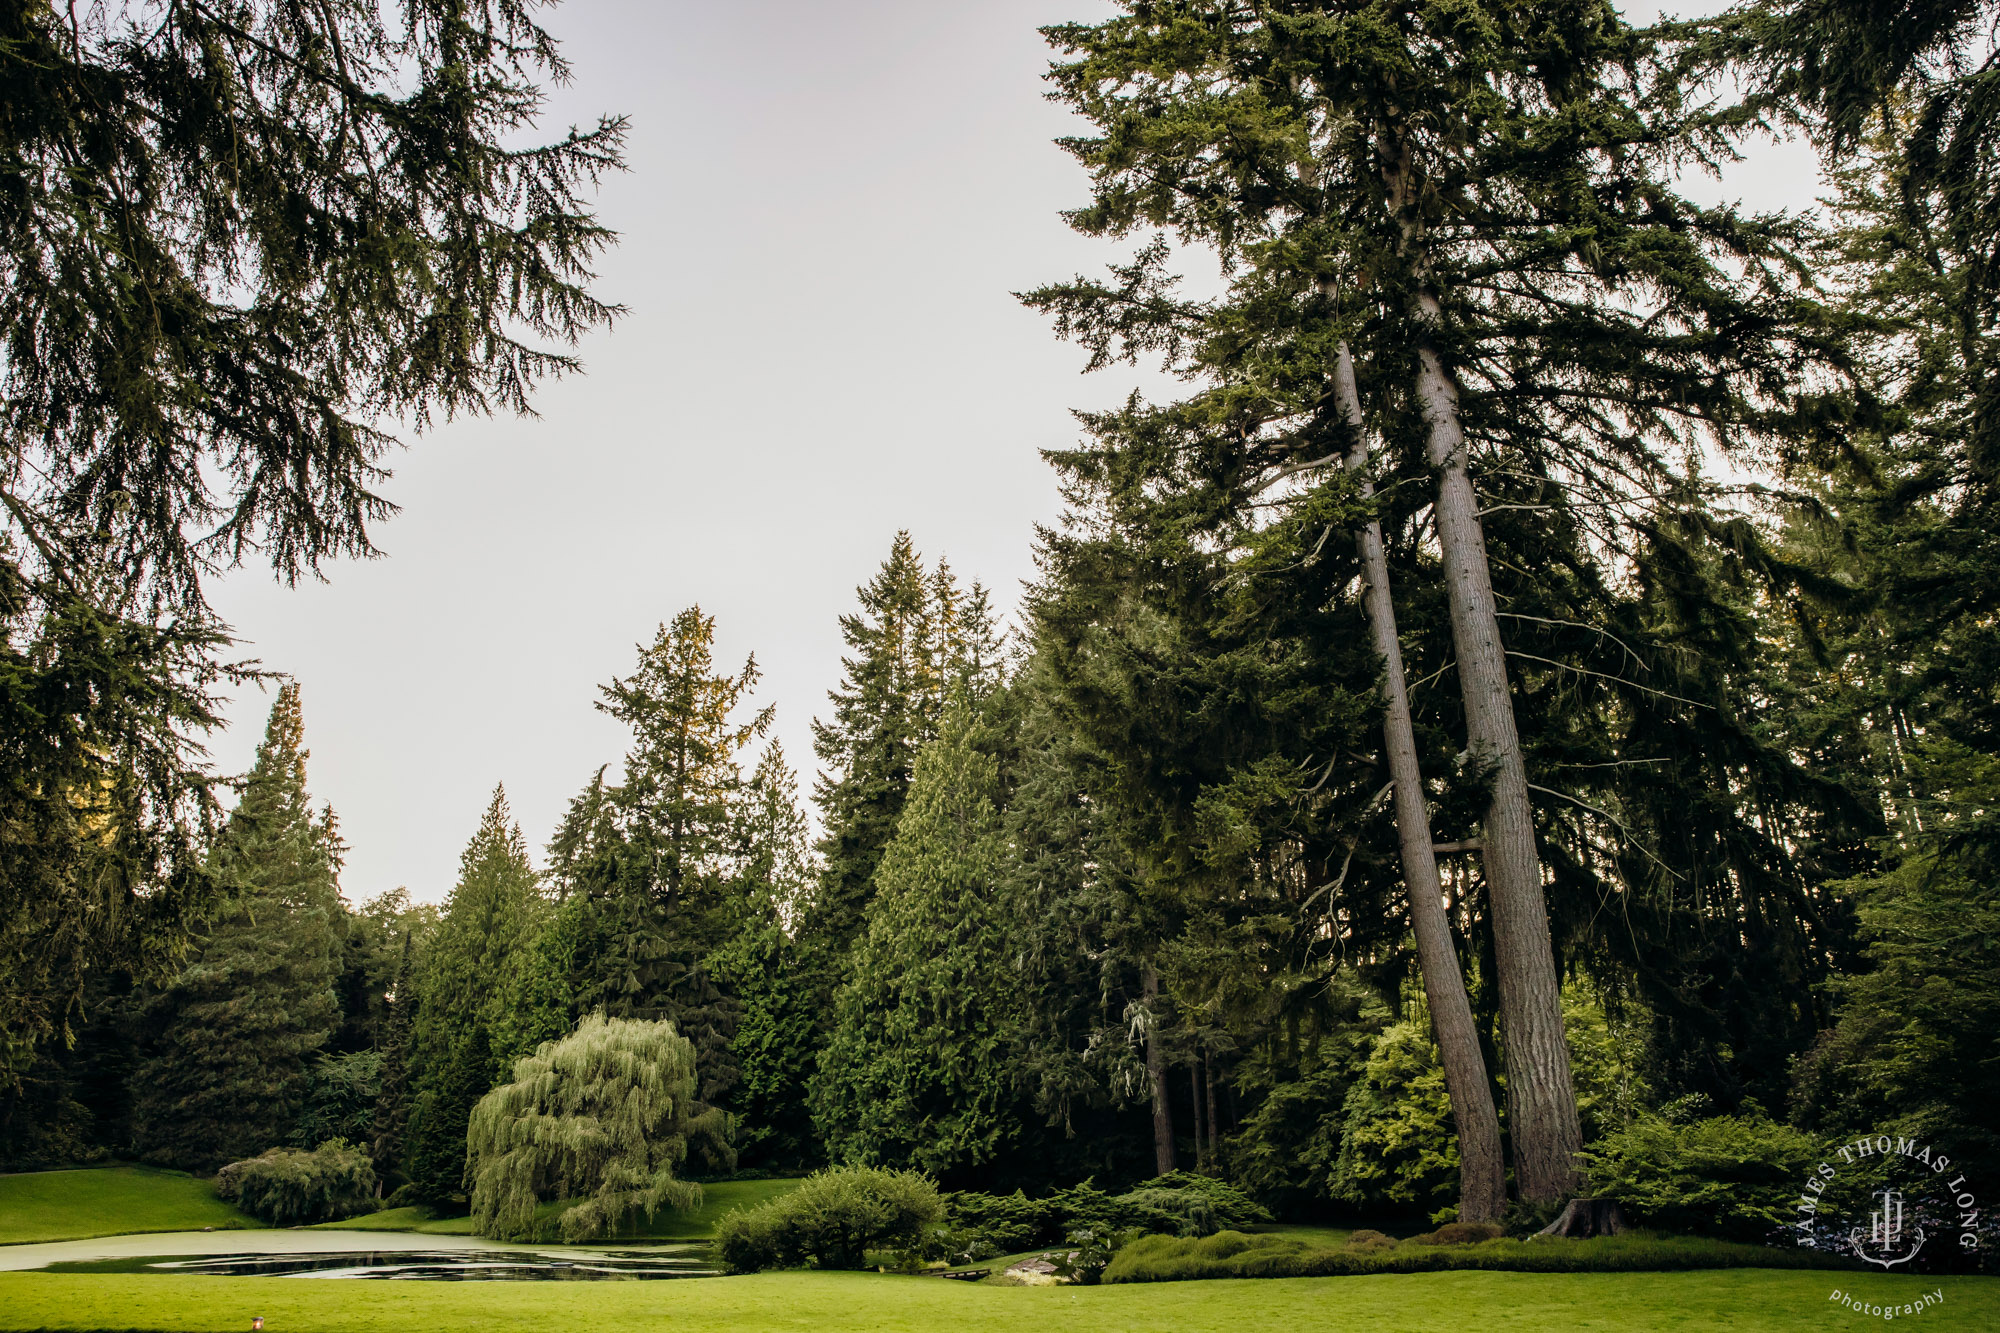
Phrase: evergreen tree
[659,856]
[1413,184]
[776,973]
[235,1035]
[919,1069]
[237,240]
[885,709]
[468,985]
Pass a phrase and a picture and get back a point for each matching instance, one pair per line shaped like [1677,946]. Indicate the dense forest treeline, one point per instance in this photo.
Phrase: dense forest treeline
[1538,682]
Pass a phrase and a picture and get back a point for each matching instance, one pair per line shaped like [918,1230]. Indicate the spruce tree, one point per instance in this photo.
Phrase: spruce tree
[884,710]
[468,985]
[919,1067]
[234,1036]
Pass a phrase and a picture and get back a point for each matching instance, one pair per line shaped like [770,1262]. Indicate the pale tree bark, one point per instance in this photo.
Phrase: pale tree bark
[1156,1071]
[1481,1173]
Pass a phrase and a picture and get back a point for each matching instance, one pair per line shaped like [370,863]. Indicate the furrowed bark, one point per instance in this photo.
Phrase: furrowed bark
[1156,1071]
[1481,1173]
[1541,1100]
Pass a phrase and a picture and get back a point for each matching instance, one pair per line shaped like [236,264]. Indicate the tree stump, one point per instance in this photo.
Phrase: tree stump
[1588,1217]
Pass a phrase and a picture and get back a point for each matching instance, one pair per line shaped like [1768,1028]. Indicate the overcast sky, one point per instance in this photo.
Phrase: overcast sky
[827,208]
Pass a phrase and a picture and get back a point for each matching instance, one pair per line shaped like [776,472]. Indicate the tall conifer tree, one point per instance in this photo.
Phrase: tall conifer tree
[236,1033]
[468,985]
[658,857]
[919,1067]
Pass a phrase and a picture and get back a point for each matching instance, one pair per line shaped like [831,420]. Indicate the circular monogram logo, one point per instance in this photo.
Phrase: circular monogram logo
[1883,1198]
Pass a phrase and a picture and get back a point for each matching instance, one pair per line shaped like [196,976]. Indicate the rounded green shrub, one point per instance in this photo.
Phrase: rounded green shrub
[291,1187]
[831,1221]
[1731,1176]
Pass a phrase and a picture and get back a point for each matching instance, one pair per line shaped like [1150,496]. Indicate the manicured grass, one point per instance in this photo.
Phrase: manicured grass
[1744,1301]
[417,1219]
[717,1199]
[109,1201]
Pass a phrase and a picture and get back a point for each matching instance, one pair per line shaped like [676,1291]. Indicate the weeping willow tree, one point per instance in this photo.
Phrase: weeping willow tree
[602,1117]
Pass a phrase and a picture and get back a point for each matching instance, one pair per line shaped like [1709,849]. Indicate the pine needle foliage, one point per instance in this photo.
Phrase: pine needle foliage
[603,1116]
[238,242]
[468,989]
[235,1035]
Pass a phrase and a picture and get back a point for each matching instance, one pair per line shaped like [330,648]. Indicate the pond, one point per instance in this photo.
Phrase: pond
[453,1265]
[357,1254]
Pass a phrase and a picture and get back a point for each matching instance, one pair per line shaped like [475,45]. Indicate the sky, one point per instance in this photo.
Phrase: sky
[827,208]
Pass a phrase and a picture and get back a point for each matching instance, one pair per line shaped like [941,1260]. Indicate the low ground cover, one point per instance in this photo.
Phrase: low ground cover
[1746,1301]
[109,1201]
[1231,1254]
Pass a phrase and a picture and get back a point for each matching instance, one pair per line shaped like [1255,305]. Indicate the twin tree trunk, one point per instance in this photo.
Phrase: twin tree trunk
[1541,1102]
[1482,1179]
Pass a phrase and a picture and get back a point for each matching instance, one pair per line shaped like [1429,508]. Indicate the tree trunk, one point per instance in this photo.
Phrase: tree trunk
[1194,1111]
[1481,1174]
[1214,1139]
[1540,1098]
[1156,1070]
[1583,1218]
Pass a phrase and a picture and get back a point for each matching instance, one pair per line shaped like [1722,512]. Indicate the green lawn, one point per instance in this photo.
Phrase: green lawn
[416,1219]
[717,1199]
[108,1201]
[1746,1301]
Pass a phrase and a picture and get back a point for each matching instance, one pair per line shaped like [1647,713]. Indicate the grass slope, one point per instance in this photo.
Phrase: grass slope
[1742,1301]
[109,1201]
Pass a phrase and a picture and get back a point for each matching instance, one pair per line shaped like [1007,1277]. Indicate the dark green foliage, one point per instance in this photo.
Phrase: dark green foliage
[1913,1050]
[1233,1254]
[917,1068]
[468,987]
[658,858]
[1180,1203]
[915,635]
[234,241]
[1183,1204]
[341,1098]
[288,1187]
[104,806]
[777,973]
[830,1221]
[230,1045]
[1737,1177]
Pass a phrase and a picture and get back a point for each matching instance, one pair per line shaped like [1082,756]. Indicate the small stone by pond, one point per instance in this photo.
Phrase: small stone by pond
[446,1265]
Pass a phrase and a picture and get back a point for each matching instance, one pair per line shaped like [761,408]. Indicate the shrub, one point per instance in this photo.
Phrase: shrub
[831,1221]
[1230,1254]
[1181,1203]
[1461,1233]
[1729,1176]
[982,1225]
[289,1186]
